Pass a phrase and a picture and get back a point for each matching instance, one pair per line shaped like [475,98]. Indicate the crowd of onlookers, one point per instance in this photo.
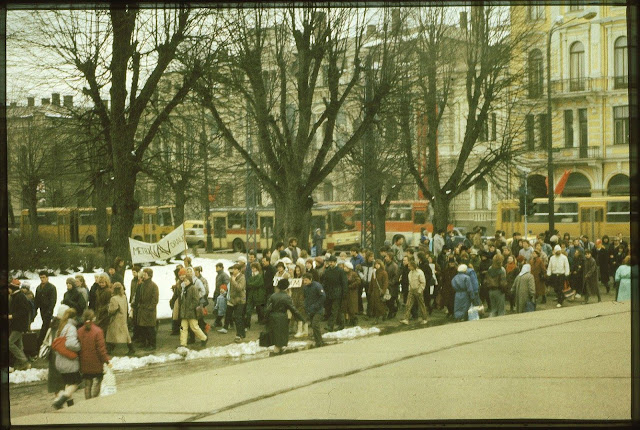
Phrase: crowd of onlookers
[293,293]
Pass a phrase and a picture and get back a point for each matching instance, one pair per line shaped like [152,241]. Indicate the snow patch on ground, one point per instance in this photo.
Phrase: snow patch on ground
[29,375]
[351,333]
[234,350]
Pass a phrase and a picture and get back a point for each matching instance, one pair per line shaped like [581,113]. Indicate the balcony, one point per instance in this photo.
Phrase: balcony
[565,86]
[570,155]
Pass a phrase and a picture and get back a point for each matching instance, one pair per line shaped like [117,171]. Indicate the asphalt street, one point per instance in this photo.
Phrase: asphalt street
[571,364]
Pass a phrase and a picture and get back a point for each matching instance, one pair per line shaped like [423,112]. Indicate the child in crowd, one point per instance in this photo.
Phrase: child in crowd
[221,309]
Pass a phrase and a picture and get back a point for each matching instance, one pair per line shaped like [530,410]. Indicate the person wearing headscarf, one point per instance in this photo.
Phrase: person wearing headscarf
[350,305]
[623,276]
[512,270]
[465,294]
[276,314]
[524,288]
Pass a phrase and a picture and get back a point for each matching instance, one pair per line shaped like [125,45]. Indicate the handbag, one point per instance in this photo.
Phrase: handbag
[58,345]
[265,339]
[108,386]
[387,295]
[529,306]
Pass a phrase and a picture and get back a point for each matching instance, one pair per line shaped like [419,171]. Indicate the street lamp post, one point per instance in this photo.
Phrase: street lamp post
[550,186]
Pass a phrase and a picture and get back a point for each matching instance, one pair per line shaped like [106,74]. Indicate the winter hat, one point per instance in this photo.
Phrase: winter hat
[348,265]
[553,238]
[26,284]
[182,271]
[462,268]
[15,282]
[557,248]
[242,259]
[223,287]
[61,310]
[286,261]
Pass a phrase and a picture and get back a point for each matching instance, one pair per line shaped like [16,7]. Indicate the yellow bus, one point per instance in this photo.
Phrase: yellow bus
[78,225]
[591,216]
[336,221]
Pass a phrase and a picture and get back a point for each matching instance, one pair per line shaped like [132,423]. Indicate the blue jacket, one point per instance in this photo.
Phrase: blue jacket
[358,259]
[314,297]
[474,281]
[221,304]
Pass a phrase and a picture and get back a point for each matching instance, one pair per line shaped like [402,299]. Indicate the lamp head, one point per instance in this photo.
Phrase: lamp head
[589,15]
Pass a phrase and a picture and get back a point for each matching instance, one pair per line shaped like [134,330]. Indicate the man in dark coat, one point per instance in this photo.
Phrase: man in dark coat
[146,312]
[46,298]
[222,278]
[394,284]
[73,297]
[334,281]
[19,315]
[93,294]
[314,297]
[268,271]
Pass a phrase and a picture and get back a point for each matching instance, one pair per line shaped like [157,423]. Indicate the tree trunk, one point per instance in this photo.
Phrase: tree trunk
[101,202]
[124,207]
[381,230]
[31,199]
[292,218]
[441,213]
[181,200]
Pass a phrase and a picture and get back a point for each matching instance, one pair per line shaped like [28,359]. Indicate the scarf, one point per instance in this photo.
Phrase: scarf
[525,269]
[511,266]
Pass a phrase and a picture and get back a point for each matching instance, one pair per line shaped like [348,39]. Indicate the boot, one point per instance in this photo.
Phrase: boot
[70,402]
[299,332]
[131,350]
[59,402]
[305,330]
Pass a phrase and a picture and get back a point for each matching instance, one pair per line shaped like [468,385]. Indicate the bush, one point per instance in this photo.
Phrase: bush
[43,254]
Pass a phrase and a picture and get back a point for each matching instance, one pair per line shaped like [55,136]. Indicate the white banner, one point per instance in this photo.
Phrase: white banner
[170,245]
[295,283]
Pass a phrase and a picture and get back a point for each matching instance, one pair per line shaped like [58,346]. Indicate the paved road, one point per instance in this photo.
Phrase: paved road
[573,363]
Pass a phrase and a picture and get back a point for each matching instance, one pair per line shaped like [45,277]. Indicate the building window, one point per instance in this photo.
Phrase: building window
[620,63]
[568,129]
[535,11]
[544,126]
[483,135]
[576,5]
[583,133]
[529,126]
[621,125]
[576,66]
[482,194]
[536,74]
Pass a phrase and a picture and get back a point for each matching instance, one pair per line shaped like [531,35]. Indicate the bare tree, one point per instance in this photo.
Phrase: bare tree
[292,71]
[472,67]
[127,50]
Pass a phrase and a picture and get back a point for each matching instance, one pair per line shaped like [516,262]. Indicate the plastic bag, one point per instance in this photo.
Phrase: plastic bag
[108,386]
[474,312]
[45,347]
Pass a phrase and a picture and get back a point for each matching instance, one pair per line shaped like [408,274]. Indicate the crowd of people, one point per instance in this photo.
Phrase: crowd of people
[291,292]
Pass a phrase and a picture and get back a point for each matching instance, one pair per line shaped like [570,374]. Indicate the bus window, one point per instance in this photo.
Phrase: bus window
[618,211]
[219,227]
[266,225]
[87,218]
[341,221]
[236,220]
[564,213]
[399,214]
[419,217]
[164,217]
[47,218]
[318,221]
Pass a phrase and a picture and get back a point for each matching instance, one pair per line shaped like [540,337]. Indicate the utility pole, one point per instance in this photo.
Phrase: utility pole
[204,147]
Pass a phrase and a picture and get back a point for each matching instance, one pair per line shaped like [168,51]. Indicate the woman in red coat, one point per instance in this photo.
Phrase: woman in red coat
[93,354]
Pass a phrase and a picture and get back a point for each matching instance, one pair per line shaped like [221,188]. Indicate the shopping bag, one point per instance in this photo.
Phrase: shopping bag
[473,313]
[108,386]
[45,347]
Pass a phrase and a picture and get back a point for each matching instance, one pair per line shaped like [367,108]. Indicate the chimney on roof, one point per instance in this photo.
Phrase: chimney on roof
[395,20]
[55,99]
[31,101]
[463,20]
[371,30]
[45,102]
[68,101]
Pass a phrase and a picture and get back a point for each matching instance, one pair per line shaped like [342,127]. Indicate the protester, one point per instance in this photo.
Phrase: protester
[118,332]
[93,353]
[19,315]
[448,293]
[417,284]
[93,292]
[350,303]
[465,296]
[623,276]
[55,384]
[237,300]
[255,294]
[557,271]
[335,284]
[147,307]
[73,297]
[221,307]
[69,368]
[46,299]
[590,277]
[538,270]
[524,288]
[82,287]
[189,301]
[496,280]
[314,297]
[512,271]
[103,297]
[601,255]
[394,285]
[378,288]
[276,313]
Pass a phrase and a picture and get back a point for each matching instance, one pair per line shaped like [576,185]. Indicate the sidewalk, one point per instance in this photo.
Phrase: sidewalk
[572,363]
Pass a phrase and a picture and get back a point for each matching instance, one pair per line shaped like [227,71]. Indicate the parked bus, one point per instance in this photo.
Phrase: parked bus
[406,219]
[78,225]
[336,221]
[591,216]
